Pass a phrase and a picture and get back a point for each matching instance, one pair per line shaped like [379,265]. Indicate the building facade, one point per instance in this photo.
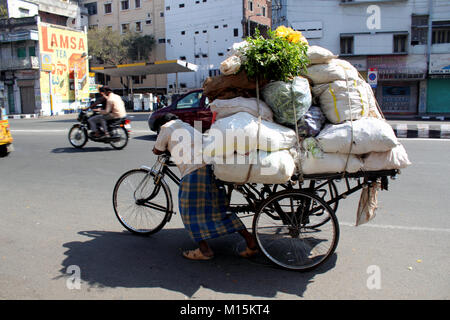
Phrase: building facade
[202,32]
[404,44]
[146,17]
[24,84]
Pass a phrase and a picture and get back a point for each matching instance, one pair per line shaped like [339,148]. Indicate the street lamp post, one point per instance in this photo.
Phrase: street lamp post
[248,22]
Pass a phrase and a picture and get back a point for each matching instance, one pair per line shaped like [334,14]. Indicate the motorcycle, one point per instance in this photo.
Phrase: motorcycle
[81,132]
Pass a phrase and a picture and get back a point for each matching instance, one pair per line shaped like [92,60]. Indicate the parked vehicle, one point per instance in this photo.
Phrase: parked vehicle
[118,129]
[190,107]
[5,134]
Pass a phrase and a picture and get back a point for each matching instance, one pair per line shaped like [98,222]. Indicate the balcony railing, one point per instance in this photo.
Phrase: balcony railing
[19,63]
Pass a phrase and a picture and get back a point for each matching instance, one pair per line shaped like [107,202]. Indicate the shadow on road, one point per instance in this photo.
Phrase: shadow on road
[115,259]
[85,149]
[150,137]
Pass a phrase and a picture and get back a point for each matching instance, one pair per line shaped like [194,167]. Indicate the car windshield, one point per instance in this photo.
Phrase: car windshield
[192,100]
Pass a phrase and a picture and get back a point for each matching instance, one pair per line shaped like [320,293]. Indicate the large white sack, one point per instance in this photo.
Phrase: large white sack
[373,108]
[336,69]
[319,55]
[344,100]
[267,168]
[239,133]
[369,135]
[227,107]
[327,162]
[397,158]
[230,65]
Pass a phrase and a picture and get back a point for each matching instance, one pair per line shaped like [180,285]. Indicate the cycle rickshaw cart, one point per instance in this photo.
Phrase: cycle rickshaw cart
[295,223]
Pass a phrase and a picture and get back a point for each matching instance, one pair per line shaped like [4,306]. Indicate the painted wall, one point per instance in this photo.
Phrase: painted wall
[61,51]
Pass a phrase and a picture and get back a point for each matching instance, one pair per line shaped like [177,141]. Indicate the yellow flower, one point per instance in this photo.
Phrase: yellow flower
[294,36]
[282,31]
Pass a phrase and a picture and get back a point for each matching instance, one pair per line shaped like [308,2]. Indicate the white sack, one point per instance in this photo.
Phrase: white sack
[319,55]
[369,135]
[336,69]
[344,100]
[227,107]
[238,133]
[268,167]
[230,65]
[373,108]
[397,158]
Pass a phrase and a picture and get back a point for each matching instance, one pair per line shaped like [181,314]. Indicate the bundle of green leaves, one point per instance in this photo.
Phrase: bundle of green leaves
[280,57]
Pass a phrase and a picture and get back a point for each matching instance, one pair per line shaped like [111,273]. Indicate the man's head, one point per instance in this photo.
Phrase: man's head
[105,91]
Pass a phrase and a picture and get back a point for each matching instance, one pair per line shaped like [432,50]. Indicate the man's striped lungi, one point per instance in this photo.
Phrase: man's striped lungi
[203,206]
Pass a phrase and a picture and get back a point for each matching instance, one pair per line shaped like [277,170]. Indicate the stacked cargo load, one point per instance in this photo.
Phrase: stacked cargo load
[284,108]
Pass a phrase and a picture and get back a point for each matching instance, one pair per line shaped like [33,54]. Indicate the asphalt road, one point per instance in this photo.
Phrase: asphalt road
[57,222]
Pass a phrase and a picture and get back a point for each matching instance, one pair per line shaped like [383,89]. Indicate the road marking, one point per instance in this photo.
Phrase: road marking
[388,226]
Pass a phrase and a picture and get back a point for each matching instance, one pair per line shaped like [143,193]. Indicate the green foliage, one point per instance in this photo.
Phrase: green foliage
[3,12]
[138,46]
[274,58]
[111,47]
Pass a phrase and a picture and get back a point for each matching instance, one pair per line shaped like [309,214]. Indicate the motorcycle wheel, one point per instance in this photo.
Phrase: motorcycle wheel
[78,136]
[120,136]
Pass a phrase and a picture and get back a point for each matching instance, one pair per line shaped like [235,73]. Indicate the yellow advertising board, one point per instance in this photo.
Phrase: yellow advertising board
[64,65]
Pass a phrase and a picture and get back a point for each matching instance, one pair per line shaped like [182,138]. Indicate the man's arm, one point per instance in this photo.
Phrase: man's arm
[162,141]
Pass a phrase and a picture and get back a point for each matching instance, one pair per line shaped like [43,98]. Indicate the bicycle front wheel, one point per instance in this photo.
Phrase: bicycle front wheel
[141,205]
[293,240]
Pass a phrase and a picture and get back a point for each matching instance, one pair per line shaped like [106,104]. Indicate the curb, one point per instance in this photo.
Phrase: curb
[22,116]
[433,131]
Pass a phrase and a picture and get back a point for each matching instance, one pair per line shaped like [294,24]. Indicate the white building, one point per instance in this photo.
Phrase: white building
[202,31]
[389,36]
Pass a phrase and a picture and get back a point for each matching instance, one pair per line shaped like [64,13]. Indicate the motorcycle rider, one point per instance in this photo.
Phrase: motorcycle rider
[115,109]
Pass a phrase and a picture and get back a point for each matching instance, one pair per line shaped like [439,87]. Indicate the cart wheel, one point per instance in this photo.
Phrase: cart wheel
[293,241]
[327,192]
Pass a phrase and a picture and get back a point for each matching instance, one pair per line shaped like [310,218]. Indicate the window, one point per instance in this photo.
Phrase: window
[204,55]
[91,8]
[138,26]
[161,14]
[204,31]
[124,5]
[138,79]
[181,5]
[108,8]
[346,45]
[148,21]
[236,32]
[32,51]
[419,30]
[161,40]
[220,54]
[109,27]
[125,27]
[214,72]
[21,52]
[225,26]
[263,9]
[183,32]
[192,100]
[167,8]
[400,43]
[137,4]
[24,12]
[250,5]
[93,27]
[216,27]
[441,32]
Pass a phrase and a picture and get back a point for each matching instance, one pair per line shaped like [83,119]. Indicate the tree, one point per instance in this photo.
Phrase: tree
[111,47]
[106,45]
[138,47]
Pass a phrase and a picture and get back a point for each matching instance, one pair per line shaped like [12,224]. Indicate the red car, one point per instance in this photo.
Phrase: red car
[190,107]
